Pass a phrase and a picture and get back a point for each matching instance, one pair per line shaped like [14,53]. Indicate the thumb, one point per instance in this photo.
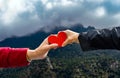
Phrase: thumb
[52,46]
[65,43]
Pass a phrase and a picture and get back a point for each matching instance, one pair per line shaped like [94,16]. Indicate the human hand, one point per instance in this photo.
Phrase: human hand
[41,51]
[72,37]
[58,39]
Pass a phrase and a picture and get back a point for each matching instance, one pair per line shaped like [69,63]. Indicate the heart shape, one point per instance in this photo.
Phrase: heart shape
[59,39]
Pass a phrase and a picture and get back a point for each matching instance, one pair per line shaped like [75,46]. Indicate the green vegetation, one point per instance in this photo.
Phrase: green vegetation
[69,63]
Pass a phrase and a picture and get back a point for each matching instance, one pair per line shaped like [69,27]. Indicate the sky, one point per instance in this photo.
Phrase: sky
[22,17]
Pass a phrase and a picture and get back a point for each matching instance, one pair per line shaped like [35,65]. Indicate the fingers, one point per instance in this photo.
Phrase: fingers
[45,41]
[65,43]
[68,32]
[53,46]
[68,41]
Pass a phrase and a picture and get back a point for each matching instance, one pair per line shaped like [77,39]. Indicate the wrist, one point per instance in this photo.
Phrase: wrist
[76,38]
[30,55]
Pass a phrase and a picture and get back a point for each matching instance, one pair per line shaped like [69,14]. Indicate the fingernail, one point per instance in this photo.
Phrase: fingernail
[55,48]
[56,44]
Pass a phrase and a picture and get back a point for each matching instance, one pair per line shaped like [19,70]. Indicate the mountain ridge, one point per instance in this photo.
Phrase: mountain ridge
[33,40]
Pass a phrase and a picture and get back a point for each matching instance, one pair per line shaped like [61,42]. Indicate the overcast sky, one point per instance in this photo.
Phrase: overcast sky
[21,17]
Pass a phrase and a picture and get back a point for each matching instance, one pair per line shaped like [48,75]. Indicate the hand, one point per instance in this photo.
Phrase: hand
[72,37]
[40,52]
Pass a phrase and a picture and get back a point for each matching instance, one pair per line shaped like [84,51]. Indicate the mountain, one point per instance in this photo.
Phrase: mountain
[33,40]
[68,62]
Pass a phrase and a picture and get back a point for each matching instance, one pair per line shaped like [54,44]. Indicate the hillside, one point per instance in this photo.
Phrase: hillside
[34,39]
[68,62]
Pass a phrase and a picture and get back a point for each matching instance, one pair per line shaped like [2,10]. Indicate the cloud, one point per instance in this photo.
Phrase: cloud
[100,12]
[49,5]
[12,9]
[21,17]
[115,2]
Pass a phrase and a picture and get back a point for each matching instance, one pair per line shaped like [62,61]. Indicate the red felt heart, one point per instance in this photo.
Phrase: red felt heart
[59,39]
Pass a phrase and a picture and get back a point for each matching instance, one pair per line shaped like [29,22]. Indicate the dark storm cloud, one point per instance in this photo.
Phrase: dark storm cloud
[21,17]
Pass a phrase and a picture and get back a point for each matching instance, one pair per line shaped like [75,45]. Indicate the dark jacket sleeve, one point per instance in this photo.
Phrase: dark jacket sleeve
[100,39]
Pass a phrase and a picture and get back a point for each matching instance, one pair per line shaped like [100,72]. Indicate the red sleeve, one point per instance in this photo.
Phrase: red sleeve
[13,57]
